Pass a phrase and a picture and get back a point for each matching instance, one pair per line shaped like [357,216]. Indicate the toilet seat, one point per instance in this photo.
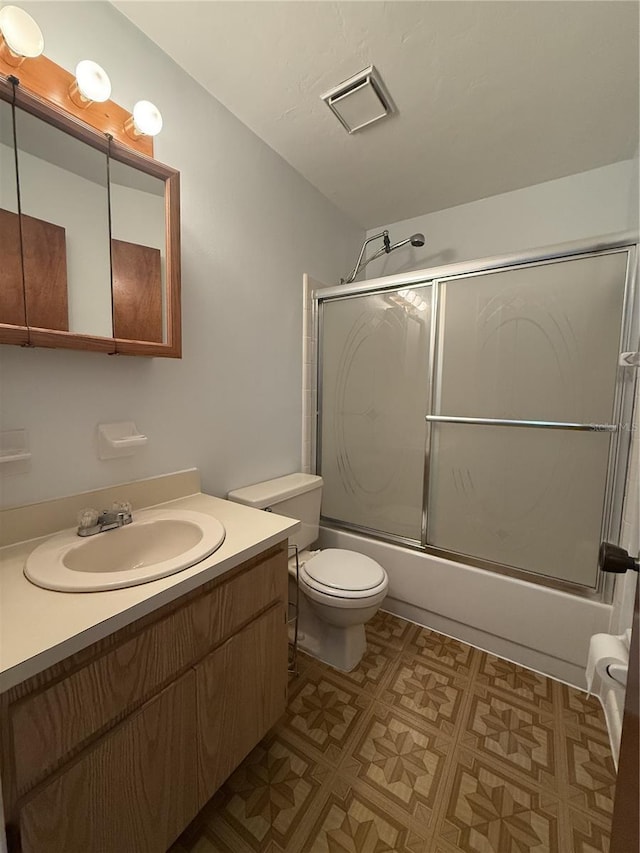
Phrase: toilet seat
[347,578]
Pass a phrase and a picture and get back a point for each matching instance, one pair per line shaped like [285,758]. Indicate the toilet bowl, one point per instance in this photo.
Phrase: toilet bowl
[340,590]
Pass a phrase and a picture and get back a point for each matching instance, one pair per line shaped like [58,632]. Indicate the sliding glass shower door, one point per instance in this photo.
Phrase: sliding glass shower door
[374,397]
[523,414]
[477,418]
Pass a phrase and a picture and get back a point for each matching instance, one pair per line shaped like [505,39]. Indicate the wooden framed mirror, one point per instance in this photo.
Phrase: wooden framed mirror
[89,236]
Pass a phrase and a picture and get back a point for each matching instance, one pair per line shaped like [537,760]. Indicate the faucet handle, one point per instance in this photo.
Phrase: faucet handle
[87,518]
[121,506]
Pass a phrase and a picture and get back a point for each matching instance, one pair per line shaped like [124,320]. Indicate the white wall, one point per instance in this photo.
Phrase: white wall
[251,226]
[589,204]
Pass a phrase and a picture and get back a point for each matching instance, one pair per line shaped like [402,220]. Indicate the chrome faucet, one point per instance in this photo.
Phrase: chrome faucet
[90,521]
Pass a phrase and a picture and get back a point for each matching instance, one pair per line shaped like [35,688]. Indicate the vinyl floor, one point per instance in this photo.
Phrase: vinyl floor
[429,746]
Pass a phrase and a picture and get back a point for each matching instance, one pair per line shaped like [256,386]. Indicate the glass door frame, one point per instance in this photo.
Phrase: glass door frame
[622,408]
[318,322]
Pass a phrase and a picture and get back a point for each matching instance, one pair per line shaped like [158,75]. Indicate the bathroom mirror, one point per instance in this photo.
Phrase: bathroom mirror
[89,236]
[138,254]
[12,311]
[64,206]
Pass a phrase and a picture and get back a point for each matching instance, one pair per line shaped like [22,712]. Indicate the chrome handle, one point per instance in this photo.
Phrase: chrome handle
[514,423]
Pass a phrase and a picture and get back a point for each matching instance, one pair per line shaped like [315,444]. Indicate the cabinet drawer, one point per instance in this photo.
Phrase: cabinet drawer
[134,791]
[49,724]
[241,692]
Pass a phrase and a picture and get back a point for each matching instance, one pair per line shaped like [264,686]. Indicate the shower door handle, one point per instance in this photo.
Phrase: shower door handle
[445,419]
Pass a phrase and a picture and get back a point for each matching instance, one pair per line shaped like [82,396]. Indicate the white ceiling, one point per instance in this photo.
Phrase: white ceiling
[491,96]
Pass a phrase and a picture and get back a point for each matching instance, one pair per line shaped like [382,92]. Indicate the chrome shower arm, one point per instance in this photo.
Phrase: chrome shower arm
[415,240]
[359,265]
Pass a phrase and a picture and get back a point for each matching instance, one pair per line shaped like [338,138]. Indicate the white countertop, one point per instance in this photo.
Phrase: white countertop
[39,627]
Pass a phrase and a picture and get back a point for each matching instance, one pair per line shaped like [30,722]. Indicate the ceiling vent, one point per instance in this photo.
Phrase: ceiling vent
[360,101]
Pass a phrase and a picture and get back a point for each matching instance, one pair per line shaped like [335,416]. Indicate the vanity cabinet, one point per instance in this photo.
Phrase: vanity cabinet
[119,746]
[232,721]
[133,791]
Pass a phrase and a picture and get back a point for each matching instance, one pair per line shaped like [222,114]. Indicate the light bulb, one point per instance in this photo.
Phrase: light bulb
[91,84]
[146,120]
[411,297]
[403,293]
[422,306]
[21,36]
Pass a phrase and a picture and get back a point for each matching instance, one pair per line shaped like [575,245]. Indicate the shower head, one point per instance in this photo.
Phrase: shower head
[415,240]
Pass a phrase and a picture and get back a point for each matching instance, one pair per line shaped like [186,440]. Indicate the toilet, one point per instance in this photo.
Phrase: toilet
[339,590]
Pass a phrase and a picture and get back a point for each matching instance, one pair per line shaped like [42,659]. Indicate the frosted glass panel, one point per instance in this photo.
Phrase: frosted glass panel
[528,498]
[537,343]
[375,352]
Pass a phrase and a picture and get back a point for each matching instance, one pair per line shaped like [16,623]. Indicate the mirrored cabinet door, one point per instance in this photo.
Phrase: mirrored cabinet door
[12,308]
[64,204]
[138,254]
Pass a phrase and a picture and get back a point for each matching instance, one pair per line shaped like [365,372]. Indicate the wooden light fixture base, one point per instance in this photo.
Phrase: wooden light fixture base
[52,83]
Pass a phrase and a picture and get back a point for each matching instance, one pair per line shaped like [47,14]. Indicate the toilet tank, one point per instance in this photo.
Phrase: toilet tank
[296,496]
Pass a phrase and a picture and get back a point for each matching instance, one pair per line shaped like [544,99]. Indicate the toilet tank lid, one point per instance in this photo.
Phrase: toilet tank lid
[262,495]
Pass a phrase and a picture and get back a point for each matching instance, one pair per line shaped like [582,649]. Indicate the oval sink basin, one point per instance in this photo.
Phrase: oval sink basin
[157,543]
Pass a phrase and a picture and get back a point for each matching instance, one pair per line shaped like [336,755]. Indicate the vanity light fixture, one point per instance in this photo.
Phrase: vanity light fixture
[20,37]
[145,120]
[91,84]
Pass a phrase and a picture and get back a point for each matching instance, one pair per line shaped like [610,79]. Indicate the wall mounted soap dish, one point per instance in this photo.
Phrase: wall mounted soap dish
[119,439]
[14,448]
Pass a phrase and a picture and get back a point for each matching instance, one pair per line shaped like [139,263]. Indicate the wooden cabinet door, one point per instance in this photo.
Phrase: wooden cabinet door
[134,791]
[241,692]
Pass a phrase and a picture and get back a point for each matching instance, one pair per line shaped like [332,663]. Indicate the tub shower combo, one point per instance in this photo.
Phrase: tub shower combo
[481,411]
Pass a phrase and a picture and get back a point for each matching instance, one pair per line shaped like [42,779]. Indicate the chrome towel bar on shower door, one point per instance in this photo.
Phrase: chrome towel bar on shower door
[535,424]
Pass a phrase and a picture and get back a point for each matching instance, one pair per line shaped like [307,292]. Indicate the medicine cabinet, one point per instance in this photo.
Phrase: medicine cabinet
[89,236]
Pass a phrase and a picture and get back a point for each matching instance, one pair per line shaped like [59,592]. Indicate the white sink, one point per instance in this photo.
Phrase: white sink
[157,543]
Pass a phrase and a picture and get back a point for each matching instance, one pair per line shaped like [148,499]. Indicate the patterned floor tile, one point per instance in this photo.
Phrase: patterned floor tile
[401,761]
[581,709]
[267,797]
[516,680]
[591,773]
[388,630]
[444,652]
[490,812]
[428,746]
[324,711]
[520,736]
[426,692]
[587,835]
[353,823]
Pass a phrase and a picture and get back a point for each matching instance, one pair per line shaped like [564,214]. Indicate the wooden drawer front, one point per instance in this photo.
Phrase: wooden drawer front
[48,725]
[241,692]
[135,791]
[216,616]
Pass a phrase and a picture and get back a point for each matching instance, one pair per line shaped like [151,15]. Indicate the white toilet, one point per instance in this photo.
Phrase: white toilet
[339,590]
